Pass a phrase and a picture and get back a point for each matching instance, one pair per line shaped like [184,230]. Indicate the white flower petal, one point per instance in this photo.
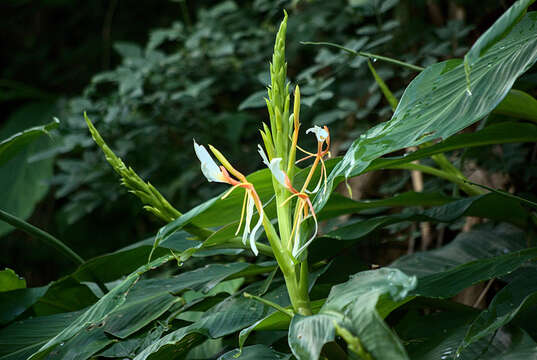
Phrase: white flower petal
[263,155]
[209,168]
[274,166]
[248,221]
[319,132]
[254,231]
[278,173]
[296,244]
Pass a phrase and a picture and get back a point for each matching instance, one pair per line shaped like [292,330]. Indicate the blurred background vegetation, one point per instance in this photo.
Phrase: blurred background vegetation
[152,75]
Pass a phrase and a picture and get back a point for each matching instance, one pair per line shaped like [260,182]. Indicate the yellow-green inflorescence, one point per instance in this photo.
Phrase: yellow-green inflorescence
[152,199]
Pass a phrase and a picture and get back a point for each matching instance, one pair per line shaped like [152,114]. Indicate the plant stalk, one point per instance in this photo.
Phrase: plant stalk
[41,235]
[467,188]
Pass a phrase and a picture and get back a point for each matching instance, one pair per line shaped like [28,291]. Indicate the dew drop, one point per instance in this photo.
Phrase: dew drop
[61,344]
[468,92]
[374,60]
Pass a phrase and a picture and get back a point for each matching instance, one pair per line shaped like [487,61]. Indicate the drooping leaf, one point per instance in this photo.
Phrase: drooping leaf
[353,306]
[436,104]
[98,312]
[23,183]
[12,145]
[15,302]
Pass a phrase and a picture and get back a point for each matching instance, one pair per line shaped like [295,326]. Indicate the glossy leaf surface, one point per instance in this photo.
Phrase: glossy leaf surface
[436,104]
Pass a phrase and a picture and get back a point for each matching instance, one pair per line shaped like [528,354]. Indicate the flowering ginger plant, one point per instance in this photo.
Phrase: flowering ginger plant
[294,208]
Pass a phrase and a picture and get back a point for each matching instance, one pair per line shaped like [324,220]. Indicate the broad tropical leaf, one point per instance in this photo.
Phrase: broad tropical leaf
[437,104]
[353,306]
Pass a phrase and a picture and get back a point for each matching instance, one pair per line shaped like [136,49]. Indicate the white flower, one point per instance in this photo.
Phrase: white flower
[274,166]
[247,233]
[319,132]
[209,168]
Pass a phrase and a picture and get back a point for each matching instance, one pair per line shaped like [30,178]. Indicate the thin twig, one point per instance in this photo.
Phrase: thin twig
[483,293]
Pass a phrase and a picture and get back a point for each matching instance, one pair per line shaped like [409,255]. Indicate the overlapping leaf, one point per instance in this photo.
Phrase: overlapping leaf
[353,306]
[437,104]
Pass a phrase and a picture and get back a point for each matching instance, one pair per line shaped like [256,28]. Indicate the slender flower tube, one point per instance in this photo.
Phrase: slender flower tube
[305,207]
[215,173]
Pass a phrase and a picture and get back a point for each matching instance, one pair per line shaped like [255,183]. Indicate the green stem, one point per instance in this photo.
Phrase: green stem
[299,300]
[41,235]
[303,283]
[50,240]
[442,161]
[371,56]
[287,312]
[469,189]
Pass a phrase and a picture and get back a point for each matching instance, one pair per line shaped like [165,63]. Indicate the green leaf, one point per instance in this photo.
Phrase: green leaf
[473,257]
[128,348]
[15,143]
[518,104]
[15,302]
[233,314]
[255,352]
[10,281]
[177,224]
[98,312]
[339,205]
[83,345]
[505,132]
[437,336]
[21,339]
[353,306]
[491,206]
[517,295]
[275,321]
[450,282]
[64,295]
[496,32]
[466,247]
[122,262]
[149,299]
[437,105]
[24,183]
